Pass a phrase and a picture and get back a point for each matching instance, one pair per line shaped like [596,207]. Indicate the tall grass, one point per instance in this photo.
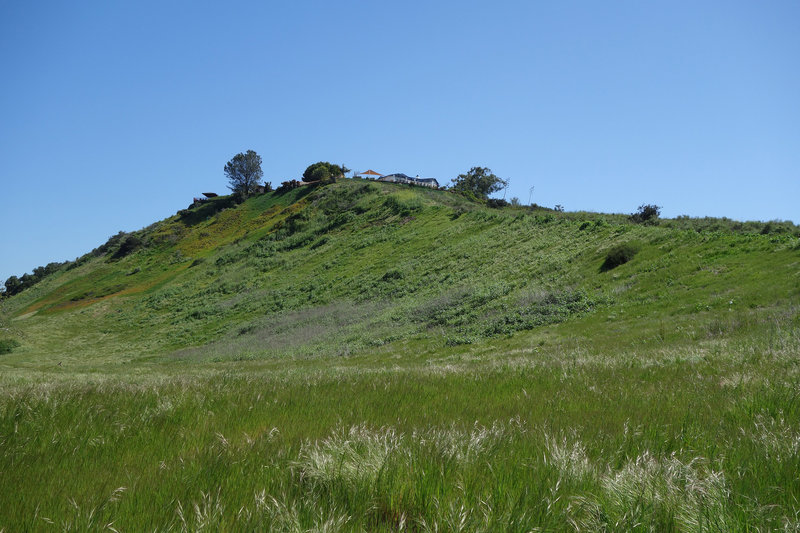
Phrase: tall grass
[471,440]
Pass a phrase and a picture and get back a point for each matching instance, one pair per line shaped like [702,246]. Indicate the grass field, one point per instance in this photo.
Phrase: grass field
[371,357]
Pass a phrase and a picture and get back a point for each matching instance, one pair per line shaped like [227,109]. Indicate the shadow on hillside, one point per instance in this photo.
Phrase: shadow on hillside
[204,210]
[300,192]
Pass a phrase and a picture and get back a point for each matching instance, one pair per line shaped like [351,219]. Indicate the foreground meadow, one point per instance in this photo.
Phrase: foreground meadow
[515,435]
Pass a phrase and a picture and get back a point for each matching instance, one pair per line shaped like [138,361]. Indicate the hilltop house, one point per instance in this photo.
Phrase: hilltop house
[402,178]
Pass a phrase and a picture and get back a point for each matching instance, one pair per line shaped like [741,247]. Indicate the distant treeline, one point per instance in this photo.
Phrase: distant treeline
[117,247]
[16,284]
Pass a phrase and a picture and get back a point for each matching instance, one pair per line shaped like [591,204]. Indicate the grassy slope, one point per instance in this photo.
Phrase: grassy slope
[494,376]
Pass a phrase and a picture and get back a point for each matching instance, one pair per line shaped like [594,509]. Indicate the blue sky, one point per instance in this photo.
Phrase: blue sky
[115,114]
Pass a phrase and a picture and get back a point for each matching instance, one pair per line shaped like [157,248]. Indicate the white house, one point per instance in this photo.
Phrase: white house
[402,178]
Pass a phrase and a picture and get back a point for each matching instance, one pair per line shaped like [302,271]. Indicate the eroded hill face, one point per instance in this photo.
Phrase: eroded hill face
[358,266]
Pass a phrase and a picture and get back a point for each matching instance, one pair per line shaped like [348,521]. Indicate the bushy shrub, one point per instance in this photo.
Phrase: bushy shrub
[619,255]
[7,345]
[646,213]
[496,203]
[324,172]
[288,186]
[777,227]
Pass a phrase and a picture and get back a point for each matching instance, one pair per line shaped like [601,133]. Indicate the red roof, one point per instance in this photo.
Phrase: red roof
[371,173]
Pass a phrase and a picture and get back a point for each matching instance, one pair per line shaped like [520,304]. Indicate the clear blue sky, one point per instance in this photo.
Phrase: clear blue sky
[115,114]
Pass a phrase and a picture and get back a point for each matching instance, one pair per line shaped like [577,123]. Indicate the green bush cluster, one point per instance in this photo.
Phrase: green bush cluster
[619,255]
[8,345]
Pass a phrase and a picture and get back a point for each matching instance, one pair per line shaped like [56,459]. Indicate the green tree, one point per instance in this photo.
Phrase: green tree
[479,182]
[244,173]
[646,214]
[324,171]
[319,173]
[13,285]
[27,280]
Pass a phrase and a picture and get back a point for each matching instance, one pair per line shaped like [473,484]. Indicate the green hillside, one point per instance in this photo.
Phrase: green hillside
[368,356]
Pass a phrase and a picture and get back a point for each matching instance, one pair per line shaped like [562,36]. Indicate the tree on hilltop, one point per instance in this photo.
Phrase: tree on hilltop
[479,182]
[647,213]
[244,173]
[324,172]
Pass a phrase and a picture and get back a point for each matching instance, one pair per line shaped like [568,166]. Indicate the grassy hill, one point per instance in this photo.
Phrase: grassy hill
[371,356]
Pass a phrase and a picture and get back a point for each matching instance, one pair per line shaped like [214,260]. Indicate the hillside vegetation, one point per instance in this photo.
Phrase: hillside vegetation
[372,356]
